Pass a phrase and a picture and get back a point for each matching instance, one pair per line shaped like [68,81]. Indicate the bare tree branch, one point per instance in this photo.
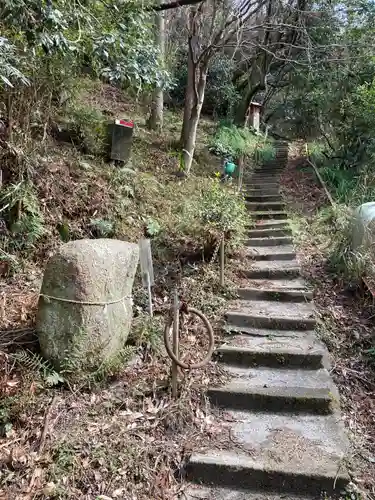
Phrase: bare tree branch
[174,5]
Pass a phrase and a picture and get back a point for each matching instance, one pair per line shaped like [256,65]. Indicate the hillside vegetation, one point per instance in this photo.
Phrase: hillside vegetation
[65,189]
[188,74]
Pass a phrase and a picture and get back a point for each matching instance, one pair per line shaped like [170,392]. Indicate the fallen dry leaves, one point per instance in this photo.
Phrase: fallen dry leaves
[115,441]
[126,439]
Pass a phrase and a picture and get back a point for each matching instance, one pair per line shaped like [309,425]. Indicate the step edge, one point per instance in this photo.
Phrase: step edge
[244,461]
[274,318]
[242,388]
[318,351]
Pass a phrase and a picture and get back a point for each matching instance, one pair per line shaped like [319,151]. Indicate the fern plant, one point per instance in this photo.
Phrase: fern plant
[35,363]
[102,228]
[146,332]
[27,227]
[80,367]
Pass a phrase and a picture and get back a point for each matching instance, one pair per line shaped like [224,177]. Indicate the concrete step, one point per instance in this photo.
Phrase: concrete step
[264,178]
[265,174]
[263,198]
[252,191]
[250,331]
[273,269]
[269,233]
[271,224]
[270,314]
[200,492]
[269,242]
[251,185]
[268,224]
[275,215]
[275,389]
[279,252]
[268,205]
[276,167]
[272,294]
[277,172]
[275,284]
[276,454]
[270,173]
[303,352]
[264,185]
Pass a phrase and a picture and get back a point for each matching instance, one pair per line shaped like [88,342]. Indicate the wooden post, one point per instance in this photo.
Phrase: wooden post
[222,261]
[240,172]
[175,341]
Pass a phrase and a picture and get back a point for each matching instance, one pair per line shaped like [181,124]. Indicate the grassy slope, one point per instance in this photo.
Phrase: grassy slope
[126,438]
[75,190]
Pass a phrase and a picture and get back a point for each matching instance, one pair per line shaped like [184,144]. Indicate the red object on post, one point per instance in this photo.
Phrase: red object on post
[125,123]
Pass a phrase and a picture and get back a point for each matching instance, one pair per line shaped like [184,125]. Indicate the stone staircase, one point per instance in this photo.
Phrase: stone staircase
[281,404]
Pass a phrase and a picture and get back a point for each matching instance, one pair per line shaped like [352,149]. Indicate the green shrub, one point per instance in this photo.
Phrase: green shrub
[217,209]
[334,227]
[88,125]
[336,223]
[205,210]
[348,185]
[316,152]
[230,140]
[233,141]
[265,151]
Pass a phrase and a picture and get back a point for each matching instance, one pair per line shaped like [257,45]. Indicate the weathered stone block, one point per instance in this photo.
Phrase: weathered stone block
[85,307]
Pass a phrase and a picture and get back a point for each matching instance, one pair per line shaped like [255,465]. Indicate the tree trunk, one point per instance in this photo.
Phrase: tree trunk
[189,99]
[190,126]
[155,121]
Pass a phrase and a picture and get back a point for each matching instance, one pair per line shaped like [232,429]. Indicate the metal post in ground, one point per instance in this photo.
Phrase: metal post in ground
[222,260]
[175,342]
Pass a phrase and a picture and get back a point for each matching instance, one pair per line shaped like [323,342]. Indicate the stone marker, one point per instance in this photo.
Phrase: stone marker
[364,227]
[85,306]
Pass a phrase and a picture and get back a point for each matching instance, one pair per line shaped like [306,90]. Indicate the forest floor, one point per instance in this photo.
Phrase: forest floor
[125,437]
[346,316]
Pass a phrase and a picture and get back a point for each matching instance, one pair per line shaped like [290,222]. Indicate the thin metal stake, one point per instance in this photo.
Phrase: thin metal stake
[149,295]
[222,261]
[175,342]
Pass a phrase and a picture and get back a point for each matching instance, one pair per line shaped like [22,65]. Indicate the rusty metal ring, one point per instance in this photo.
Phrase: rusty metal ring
[211,341]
